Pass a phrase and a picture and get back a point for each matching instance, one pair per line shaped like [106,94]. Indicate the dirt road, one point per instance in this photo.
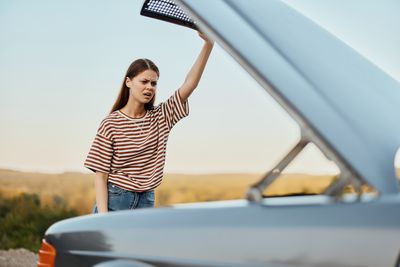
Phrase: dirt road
[17,258]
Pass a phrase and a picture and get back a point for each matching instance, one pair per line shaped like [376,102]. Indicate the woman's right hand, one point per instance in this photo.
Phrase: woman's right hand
[100,185]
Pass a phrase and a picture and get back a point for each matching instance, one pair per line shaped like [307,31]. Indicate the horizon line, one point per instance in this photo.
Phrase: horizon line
[166,173]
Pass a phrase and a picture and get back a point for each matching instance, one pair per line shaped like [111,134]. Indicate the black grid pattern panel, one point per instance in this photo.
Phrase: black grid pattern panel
[167,10]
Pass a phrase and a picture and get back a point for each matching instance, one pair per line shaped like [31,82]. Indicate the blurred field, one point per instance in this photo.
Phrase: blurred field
[76,190]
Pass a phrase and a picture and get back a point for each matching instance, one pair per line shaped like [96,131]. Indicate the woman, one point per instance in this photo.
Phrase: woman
[128,153]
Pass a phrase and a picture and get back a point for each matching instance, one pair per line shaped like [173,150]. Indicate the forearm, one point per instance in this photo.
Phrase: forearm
[195,73]
[100,184]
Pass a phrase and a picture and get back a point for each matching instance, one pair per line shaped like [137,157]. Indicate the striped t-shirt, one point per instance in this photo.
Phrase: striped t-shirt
[132,151]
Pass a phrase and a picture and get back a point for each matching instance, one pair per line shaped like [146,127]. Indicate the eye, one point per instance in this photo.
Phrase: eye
[154,83]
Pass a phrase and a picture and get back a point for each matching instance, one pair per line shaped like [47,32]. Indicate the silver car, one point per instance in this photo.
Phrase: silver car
[344,104]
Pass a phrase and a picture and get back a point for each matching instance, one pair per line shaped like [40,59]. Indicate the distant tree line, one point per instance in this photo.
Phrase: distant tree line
[23,220]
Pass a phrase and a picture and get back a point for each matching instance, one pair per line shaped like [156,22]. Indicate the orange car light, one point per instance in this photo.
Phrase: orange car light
[47,255]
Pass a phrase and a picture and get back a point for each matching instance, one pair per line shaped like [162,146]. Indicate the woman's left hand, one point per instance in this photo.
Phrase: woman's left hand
[205,38]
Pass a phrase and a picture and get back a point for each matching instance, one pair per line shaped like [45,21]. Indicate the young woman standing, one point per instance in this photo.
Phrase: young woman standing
[128,153]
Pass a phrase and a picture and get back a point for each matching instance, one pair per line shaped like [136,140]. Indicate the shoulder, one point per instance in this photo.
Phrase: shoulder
[155,110]
[113,116]
[167,102]
[109,119]
[106,125]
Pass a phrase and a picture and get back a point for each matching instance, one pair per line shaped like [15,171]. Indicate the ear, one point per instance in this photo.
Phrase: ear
[128,82]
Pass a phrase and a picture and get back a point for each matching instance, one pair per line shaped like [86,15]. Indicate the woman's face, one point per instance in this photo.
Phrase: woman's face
[143,86]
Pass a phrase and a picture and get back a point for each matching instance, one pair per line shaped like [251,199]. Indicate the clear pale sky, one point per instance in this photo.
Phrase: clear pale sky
[62,62]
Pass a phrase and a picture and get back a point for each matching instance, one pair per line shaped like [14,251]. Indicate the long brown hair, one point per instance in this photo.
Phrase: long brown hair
[136,67]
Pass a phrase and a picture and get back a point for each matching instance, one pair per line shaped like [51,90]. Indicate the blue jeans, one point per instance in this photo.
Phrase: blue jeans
[121,199]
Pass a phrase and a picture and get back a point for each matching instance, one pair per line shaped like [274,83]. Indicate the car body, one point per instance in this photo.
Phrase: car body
[319,81]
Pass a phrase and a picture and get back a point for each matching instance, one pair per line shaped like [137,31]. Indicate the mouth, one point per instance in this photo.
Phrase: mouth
[148,94]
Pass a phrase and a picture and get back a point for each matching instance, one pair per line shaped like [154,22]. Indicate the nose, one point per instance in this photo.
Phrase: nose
[150,87]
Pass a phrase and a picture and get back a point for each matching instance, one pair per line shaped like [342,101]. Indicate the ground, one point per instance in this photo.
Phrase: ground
[18,258]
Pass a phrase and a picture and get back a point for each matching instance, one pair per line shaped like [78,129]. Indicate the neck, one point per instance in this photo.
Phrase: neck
[134,110]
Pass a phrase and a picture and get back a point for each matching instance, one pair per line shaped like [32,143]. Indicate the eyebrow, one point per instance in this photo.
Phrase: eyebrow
[149,80]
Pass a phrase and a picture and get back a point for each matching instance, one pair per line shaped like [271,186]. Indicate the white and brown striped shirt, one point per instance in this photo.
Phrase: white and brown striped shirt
[132,151]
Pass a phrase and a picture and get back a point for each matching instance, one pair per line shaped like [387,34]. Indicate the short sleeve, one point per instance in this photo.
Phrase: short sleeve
[101,152]
[174,109]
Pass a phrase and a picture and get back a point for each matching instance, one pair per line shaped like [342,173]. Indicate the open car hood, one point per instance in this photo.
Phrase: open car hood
[344,104]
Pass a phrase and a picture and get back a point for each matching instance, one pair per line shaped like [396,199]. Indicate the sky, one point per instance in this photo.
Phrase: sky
[62,62]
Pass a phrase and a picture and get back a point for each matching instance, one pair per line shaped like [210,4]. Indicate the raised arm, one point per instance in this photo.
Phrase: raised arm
[194,75]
